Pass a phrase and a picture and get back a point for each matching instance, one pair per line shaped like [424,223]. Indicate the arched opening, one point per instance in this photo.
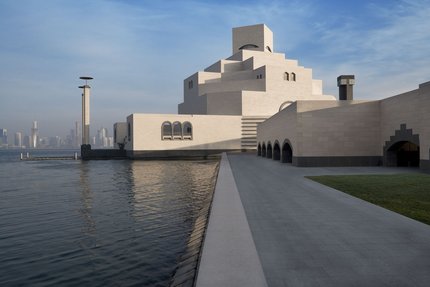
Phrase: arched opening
[286,76]
[177,130]
[259,150]
[248,47]
[166,131]
[287,153]
[284,105]
[276,151]
[187,131]
[403,153]
[263,150]
[293,77]
[269,151]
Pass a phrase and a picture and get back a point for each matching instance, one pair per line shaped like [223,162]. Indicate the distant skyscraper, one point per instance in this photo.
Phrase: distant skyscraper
[18,139]
[102,138]
[3,136]
[27,141]
[34,135]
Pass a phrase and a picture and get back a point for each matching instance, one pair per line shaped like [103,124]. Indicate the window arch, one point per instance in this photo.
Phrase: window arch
[293,77]
[248,47]
[286,76]
[187,131]
[166,131]
[177,130]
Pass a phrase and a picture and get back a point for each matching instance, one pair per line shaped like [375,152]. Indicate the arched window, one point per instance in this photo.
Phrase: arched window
[187,131]
[177,130]
[286,76]
[293,77]
[166,131]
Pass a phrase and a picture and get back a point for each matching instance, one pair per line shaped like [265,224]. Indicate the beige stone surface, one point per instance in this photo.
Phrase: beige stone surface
[411,108]
[349,128]
[257,74]
[209,132]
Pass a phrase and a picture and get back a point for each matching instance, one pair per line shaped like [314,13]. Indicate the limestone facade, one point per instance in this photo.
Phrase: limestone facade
[339,133]
[168,135]
[225,102]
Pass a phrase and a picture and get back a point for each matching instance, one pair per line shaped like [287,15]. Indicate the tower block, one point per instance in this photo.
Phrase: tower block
[86,111]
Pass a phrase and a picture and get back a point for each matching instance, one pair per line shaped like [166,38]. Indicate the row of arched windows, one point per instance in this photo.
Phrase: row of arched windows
[176,131]
[290,77]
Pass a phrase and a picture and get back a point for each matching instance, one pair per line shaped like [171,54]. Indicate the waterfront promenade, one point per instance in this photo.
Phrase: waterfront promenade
[307,234]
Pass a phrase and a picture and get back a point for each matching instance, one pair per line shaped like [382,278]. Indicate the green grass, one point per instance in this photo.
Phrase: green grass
[407,194]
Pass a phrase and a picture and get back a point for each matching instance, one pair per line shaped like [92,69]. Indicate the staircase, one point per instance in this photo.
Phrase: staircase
[249,131]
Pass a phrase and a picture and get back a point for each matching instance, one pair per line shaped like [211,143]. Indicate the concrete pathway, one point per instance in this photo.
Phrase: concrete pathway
[229,257]
[307,234]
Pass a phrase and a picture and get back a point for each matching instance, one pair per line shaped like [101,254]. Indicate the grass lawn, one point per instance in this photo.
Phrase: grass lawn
[407,194]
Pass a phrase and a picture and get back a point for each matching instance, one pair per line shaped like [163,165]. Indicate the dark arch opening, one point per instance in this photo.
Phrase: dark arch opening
[187,131]
[287,153]
[166,131]
[259,150]
[263,150]
[248,47]
[404,153]
[177,130]
[269,151]
[276,151]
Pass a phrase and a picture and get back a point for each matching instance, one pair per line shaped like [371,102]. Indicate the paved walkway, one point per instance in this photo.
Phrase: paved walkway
[307,234]
[229,256]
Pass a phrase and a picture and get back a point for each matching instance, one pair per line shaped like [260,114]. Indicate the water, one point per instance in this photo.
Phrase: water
[97,223]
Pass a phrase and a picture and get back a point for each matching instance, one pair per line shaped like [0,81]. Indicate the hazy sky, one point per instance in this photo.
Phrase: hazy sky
[139,52]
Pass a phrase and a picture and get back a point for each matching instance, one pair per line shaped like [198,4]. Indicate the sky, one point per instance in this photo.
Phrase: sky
[139,52]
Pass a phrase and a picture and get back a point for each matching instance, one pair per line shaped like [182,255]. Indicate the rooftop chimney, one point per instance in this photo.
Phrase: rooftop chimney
[345,84]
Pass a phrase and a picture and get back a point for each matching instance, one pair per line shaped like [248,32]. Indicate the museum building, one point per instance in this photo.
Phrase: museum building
[257,100]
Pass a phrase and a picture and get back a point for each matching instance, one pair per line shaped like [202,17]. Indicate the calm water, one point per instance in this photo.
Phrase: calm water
[97,223]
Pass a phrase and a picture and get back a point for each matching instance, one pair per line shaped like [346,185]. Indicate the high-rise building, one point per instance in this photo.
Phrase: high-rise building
[18,139]
[3,136]
[26,141]
[34,135]
[102,135]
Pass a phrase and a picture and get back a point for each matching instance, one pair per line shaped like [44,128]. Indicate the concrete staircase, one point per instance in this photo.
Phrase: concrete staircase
[249,131]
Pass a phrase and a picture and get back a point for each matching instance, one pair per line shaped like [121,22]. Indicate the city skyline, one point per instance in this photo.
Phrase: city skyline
[139,52]
[32,139]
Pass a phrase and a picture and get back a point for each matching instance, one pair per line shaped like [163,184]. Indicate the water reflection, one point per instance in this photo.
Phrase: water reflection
[98,223]
[86,200]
